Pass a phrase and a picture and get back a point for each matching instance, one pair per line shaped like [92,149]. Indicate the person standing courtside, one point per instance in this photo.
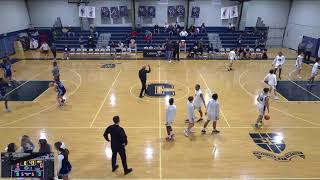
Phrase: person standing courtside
[118,143]
[176,51]
[143,78]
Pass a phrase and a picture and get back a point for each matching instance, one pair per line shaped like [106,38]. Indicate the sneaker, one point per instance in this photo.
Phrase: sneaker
[186,133]
[203,131]
[115,168]
[299,77]
[276,98]
[215,131]
[170,61]
[7,110]
[127,171]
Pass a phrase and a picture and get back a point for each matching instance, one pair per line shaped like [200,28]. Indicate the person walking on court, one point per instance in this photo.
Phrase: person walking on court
[169,48]
[232,57]
[3,91]
[314,72]
[263,104]
[278,63]
[198,101]
[213,111]
[118,144]
[170,116]
[271,79]
[190,116]
[54,51]
[299,62]
[143,78]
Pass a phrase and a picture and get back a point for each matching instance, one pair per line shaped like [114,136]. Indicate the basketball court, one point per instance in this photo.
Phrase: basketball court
[285,148]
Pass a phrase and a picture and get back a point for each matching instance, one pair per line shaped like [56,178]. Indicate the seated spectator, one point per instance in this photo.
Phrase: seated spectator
[176,27]
[70,32]
[239,41]
[166,26]
[45,49]
[256,43]
[82,42]
[44,146]
[26,144]
[264,54]
[134,34]
[65,31]
[156,29]
[231,27]
[197,31]
[91,41]
[183,34]
[170,30]
[203,28]
[66,52]
[11,148]
[210,49]
[96,34]
[148,36]
[133,44]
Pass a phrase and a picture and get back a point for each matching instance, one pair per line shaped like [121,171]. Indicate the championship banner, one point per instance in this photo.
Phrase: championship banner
[225,13]
[195,12]
[91,12]
[105,13]
[142,11]
[172,11]
[180,11]
[123,11]
[233,10]
[151,11]
[114,12]
[311,45]
[82,11]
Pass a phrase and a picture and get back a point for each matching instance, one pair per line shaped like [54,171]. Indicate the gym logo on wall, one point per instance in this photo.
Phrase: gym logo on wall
[274,143]
[160,90]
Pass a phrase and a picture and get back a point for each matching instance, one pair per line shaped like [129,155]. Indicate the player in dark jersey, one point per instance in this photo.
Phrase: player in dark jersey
[7,70]
[3,90]
[61,90]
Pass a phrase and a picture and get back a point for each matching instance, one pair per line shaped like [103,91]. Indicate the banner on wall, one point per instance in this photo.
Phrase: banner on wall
[310,44]
[124,12]
[225,13]
[180,11]
[195,12]
[151,11]
[172,11]
[105,13]
[142,11]
[233,10]
[91,12]
[82,11]
[114,12]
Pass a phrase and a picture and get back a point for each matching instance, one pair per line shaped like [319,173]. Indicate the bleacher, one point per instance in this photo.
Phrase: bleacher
[228,38]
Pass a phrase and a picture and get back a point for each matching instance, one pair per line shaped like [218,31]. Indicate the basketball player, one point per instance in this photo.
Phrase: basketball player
[299,64]
[314,72]
[45,49]
[170,116]
[263,103]
[190,116]
[213,110]
[3,89]
[7,70]
[278,63]
[55,71]
[143,78]
[198,100]
[271,78]
[232,57]
[61,90]
[66,52]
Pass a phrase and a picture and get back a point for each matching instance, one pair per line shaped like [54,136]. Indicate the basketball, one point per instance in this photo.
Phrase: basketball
[266,117]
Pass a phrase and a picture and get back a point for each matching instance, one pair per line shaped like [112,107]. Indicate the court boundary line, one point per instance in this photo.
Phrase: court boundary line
[222,113]
[160,129]
[105,99]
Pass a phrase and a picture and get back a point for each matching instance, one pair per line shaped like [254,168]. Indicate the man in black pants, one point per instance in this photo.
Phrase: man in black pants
[176,51]
[143,78]
[118,143]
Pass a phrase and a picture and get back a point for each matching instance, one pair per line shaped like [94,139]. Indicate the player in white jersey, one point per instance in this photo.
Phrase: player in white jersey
[278,63]
[314,72]
[213,111]
[299,64]
[232,57]
[263,104]
[170,116]
[190,116]
[271,79]
[198,101]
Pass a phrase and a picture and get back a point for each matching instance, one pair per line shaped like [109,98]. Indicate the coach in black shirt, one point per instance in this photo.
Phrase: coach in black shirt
[176,51]
[143,78]
[118,143]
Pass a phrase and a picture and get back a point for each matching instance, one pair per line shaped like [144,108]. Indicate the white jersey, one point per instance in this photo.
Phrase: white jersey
[279,61]
[232,55]
[213,110]
[190,111]
[272,79]
[314,70]
[299,61]
[45,47]
[171,113]
[197,98]
[262,99]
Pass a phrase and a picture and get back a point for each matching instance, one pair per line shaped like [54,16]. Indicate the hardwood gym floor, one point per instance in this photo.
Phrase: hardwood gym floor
[96,94]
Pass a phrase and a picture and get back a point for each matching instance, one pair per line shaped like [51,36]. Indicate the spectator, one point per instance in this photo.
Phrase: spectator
[176,27]
[11,148]
[65,31]
[82,42]
[64,165]
[156,29]
[171,30]
[66,52]
[264,54]
[176,51]
[197,31]
[203,28]
[192,30]
[26,144]
[231,27]
[44,146]
[169,48]
[45,49]
[148,36]
[133,44]
[91,41]
[256,43]
[183,34]
[239,41]
[134,34]
[54,51]
[70,31]
[166,26]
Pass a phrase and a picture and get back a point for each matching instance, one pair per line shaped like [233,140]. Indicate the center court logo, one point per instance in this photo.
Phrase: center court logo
[274,143]
[160,90]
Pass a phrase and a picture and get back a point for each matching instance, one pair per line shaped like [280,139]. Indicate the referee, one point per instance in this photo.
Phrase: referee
[118,143]
[143,78]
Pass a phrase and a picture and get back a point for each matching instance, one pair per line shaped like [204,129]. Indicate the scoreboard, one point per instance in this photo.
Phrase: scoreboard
[27,165]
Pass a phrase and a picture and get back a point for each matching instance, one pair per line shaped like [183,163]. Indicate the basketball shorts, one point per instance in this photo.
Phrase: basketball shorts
[191,119]
[7,74]
[212,117]
[197,107]
[61,93]
[262,110]
[313,74]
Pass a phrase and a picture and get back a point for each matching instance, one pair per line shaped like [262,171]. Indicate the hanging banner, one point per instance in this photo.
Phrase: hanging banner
[114,12]
[172,11]
[151,11]
[124,11]
[82,11]
[225,13]
[142,11]
[195,12]
[233,10]
[180,11]
[91,12]
[105,13]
